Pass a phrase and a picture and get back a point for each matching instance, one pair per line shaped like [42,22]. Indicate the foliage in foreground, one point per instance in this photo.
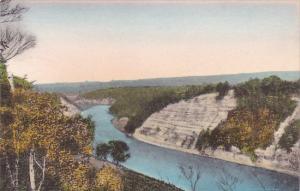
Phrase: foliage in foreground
[38,144]
[5,93]
[110,179]
[22,83]
[34,127]
[139,103]
[139,182]
[262,105]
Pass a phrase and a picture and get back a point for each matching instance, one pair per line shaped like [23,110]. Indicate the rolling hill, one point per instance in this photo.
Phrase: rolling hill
[81,87]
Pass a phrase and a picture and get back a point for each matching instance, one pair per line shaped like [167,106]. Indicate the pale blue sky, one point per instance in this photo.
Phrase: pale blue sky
[105,41]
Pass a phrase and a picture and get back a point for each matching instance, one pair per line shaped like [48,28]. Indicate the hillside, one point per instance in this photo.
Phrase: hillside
[257,125]
[179,124]
[81,87]
[239,125]
[139,103]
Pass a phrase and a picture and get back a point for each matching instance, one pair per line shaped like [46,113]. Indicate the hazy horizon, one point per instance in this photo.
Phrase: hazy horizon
[126,41]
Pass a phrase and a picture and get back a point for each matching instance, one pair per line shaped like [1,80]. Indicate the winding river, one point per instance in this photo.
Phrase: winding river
[163,164]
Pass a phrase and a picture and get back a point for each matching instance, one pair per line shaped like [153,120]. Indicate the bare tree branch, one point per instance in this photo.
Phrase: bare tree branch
[14,42]
[192,174]
[227,181]
[10,12]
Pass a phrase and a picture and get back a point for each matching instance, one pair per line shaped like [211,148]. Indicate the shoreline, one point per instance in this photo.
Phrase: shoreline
[228,159]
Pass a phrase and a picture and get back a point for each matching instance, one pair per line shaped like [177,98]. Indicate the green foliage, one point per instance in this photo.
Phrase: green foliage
[22,83]
[38,124]
[118,150]
[290,136]
[5,93]
[139,103]
[204,139]
[222,89]
[102,151]
[262,105]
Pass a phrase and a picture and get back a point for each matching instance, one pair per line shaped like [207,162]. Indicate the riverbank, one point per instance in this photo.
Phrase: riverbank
[120,123]
[178,126]
[223,155]
[163,164]
[134,180]
[233,157]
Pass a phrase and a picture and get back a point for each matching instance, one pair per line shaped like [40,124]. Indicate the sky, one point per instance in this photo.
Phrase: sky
[122,40]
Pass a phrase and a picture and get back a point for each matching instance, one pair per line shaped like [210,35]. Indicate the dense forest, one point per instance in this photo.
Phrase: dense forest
[262,105]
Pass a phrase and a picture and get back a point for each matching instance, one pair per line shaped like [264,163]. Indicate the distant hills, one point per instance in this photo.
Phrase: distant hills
[81,87]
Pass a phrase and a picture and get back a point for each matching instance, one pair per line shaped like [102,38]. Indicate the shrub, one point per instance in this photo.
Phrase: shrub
[109,179]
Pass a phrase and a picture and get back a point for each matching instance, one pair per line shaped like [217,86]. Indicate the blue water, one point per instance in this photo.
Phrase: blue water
[162,163]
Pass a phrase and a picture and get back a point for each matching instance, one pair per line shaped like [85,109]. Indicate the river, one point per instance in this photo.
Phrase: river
[163,164]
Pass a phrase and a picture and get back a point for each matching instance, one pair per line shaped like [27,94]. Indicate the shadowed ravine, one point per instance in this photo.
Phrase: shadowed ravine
[162,163]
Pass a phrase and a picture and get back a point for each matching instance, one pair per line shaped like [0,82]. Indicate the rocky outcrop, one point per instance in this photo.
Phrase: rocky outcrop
[179,124]
[71,109]
[120,123]
[83,103]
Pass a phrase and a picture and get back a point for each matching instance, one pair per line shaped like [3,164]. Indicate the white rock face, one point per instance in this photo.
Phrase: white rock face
[71,109]
[179,124]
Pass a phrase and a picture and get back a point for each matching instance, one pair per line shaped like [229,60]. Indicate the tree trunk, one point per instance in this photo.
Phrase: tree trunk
[10,174]
[31,170]
[11,82]
[32,161]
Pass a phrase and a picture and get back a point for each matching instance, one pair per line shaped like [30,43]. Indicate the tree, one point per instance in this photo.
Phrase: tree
[103,150]
[10,12]
[13,42]
[290,136]
[222,88]
[48,140]
[119,151]
[22,82]
[192,174]
[5,94]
